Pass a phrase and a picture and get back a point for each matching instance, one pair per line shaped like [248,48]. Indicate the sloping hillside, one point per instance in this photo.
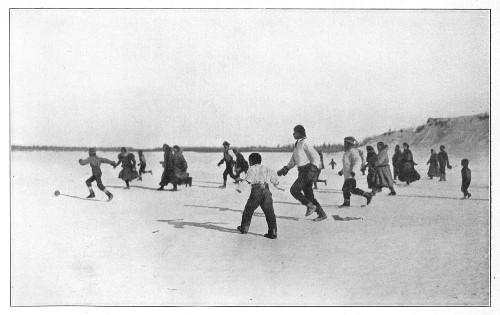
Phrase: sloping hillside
[457,134]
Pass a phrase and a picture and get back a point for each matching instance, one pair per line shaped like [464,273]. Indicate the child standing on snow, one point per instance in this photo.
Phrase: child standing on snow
[466,178]
[95,165]
[259,176]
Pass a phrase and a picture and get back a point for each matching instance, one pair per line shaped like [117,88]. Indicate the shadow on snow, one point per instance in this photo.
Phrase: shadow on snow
[180,224]
[256,214]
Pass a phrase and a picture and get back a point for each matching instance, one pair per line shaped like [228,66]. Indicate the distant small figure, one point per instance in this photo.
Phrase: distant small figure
[228,159]
[396,161]
[363,160]
[241,164]
[384,178]
[168,167]
[466,178]
[332,163]
[443,163]
[321,167]
[95,165]
[259,176]
[433,165]
[142,165]
[128,172]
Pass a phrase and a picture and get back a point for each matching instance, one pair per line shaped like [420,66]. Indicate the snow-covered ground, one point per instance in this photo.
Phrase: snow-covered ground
[424,246]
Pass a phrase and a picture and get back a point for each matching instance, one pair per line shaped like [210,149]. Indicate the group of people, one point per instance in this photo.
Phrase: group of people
[174,164]
[309,163]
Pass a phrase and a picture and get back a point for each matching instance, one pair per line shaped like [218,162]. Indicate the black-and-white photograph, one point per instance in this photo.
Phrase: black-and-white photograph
[266,156]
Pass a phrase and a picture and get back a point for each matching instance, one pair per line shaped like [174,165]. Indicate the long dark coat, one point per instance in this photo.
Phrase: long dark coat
[408,172]
[128,171]
[433,165]
[168,168]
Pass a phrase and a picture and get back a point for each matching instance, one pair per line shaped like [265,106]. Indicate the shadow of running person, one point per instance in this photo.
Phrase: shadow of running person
[81,198]
[135,186]
[180,224]
[257,214]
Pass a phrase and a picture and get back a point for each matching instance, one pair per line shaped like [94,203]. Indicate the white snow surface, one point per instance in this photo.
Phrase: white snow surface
[424,246]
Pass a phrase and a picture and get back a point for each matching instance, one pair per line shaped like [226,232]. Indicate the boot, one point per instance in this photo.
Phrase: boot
[242,230]
[92,195]
[161,188]
[368,197]
[223,185]
[392,193]
[310,208]
[321,214]
[110,196]
[190,181]
[468,195]
[347,203]
[272,234]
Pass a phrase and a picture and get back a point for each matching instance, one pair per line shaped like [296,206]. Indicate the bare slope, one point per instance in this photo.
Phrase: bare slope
[457,134]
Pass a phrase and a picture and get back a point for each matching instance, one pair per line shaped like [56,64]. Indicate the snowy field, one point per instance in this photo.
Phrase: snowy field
[424,246]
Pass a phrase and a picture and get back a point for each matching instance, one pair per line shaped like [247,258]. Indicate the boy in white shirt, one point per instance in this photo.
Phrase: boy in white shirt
[259,176]
[350,160]
[308,161]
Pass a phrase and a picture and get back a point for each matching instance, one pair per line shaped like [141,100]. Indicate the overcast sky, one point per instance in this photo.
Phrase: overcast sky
[142,78]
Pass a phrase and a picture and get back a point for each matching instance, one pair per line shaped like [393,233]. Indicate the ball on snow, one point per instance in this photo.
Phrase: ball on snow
[57,193]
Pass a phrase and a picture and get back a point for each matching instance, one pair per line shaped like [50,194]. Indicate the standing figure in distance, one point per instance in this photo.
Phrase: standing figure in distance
[466,178]
[433,167]
[371,160]
[396,161]
[332,163]
[307,161]
[408,172]
[443,163]
[95,164]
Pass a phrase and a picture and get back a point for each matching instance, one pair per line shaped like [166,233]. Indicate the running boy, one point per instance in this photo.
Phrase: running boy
[466,178]
[229,164]
[259,176]
[95,165]
[350,160]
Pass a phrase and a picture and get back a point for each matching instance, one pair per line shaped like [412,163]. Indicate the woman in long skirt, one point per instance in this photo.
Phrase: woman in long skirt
[128,172]
[408,172]
[433,165]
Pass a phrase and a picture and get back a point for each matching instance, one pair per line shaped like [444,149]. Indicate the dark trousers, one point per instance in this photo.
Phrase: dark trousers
[142,169]
[98,181]
[302,188]
[260,196]
[465,187]
[228,171]
[349,188]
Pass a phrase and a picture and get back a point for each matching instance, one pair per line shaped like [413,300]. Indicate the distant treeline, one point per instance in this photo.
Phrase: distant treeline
[286,148]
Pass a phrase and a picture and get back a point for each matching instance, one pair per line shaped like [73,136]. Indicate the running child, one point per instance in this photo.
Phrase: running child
[95,164]
[142,165]
[229,160]
[259,176]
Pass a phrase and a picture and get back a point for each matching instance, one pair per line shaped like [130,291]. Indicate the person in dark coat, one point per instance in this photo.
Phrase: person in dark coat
[443,163]
[433,165]
[332,163]
[180,175]
[95,164]
[128,172]
[466,178]
[408,172]
[228,159]
[241,164]
[396,161]
[168,167]
[371,178]
[384,178]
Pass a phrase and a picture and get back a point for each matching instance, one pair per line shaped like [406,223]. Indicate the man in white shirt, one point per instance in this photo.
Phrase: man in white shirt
[307,160]
[350,161]
[259,176]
